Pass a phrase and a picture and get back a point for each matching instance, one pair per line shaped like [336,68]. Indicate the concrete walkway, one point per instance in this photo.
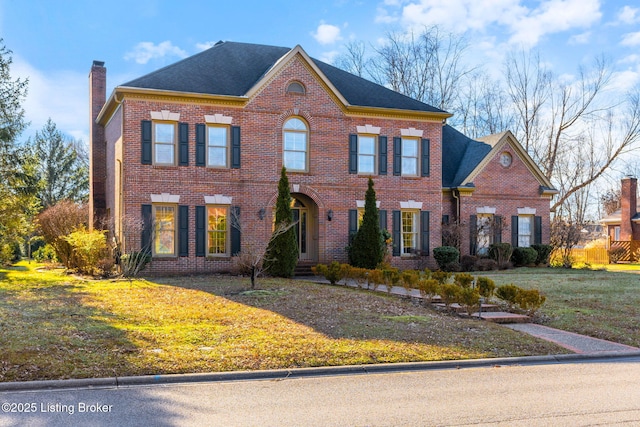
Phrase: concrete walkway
[577,343]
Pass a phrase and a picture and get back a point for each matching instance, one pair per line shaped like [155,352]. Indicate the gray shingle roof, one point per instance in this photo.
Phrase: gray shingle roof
[460,156]
[231,68]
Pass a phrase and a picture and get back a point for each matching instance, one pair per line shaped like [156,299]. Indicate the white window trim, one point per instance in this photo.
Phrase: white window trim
[218,119]
[218,199]
[374,155]
[373,130]
[360,204]
[175,230]
[415,231]
[411,204]
[227,232]
[174,144]
[165,198]
[417,156]
[307,147]
[165,116]
[411,132]
[526,211]
[226,147]
[486,210]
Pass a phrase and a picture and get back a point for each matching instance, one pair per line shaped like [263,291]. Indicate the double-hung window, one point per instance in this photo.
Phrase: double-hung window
[525,230]
[367,154]
[296,145]
[218,146]
[410,157]
[217,230]
[164,143]
[409,230]
[164,237]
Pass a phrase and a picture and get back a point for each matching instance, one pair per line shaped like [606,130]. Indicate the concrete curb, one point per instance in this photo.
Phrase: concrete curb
[282,374]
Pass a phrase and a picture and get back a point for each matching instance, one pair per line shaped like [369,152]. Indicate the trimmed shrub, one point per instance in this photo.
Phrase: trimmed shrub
[368,245]
[449,293]
[486,264]
[282,253]
[428,288]
[88,248]
[468,262]
[409,279]
[523,256]
[508,293]
[441,276]
[501,253]
[333,272]
[544,253]
[446,255]
[486,287]
[463,280]
[390,277]
[469,298]
[530,300]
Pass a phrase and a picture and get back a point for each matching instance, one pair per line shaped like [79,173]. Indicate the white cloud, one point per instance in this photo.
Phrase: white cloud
[383,16]
[554,16]
[580,38]
[143,52]
[327,34]
[329,57]
[526,25]
[623,81]
[62,96]
[629,15]
[631,39]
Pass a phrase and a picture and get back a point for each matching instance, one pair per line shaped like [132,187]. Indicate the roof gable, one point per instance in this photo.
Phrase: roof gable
[240,69]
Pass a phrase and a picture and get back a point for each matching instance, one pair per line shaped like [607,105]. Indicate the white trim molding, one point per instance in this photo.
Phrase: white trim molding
[165,115]
[360,204]
[219,119]
[411,204]
[487,210]
[526,211]
[217,199]
[165,198]
[368,129]
[412,132]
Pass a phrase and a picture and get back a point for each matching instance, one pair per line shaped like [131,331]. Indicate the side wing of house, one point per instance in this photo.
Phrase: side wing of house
[497,192]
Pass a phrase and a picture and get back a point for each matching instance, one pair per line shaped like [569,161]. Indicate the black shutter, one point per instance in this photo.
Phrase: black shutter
[424,229]
[147,143]
[382,155]
[514,231]
[183,135]
[395,234]
[473,234]
[235,147]
[353,153]
[497,229]
[183,230]
[426,153]
[537,230]
[382,219]
[397,156]
[201,139]
[353,223]
[235,230]
[147,224]
[201,230]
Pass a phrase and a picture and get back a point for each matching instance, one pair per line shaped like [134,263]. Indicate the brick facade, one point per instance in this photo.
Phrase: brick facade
[326,186]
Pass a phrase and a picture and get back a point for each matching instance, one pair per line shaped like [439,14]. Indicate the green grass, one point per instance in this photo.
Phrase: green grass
[599,303]
[55,326]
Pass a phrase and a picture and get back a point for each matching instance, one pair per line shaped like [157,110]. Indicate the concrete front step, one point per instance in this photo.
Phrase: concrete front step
[460,309]
[502,317]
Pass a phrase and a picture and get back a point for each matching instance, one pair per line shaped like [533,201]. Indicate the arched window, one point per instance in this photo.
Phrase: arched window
[296,145]
[296,87]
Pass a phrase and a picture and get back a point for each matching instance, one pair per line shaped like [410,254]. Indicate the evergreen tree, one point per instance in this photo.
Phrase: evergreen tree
[367,248]
[282,253]
[62,170]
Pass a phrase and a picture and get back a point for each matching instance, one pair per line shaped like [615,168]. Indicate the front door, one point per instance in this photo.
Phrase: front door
[301,217]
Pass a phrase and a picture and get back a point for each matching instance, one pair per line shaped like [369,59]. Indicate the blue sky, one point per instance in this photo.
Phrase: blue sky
[55,42]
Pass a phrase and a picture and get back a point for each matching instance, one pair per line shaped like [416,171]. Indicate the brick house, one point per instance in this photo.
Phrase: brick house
[187,147]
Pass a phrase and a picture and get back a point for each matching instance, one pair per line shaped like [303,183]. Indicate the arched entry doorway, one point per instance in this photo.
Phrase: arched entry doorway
[305,213]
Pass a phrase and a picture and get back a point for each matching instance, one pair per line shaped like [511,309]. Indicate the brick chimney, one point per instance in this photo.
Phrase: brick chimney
[628,205]
[97,144]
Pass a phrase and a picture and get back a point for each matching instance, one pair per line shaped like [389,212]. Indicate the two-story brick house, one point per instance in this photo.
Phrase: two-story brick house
[192,145]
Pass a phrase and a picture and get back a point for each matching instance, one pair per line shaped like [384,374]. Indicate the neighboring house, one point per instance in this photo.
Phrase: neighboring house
[190,148]
[624,224]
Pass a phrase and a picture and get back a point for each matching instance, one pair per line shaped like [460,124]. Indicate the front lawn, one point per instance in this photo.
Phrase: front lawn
[55,326]
[599,303]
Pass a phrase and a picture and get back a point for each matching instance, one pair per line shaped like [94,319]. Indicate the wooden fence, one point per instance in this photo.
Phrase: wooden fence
[601,255]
